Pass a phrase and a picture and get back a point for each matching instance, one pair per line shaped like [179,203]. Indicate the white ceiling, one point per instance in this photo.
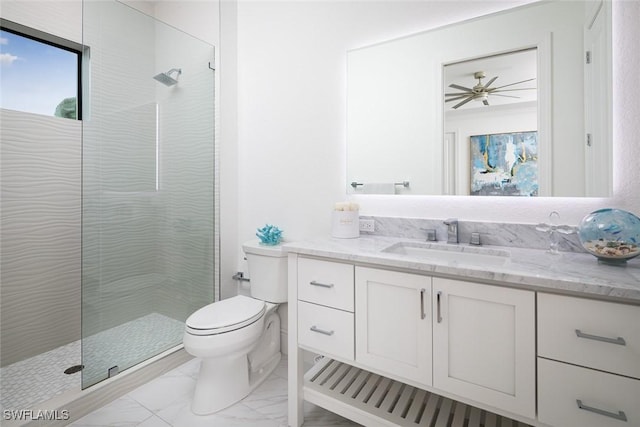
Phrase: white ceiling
[510,68]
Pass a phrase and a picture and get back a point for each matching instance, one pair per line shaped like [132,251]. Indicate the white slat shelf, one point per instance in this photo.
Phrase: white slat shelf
[374,400]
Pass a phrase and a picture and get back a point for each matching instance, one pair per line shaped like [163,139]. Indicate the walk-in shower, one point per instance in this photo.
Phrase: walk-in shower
[166,79]
[135,214]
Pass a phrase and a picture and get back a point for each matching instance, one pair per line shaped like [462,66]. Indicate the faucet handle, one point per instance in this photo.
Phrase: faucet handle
[431,234]
[475,239]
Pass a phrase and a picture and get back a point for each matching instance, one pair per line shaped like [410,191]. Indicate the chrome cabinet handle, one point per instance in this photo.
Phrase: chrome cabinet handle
[619,416]
[618,341]
[314,328]
[322,285]
[439,311]
[422,313]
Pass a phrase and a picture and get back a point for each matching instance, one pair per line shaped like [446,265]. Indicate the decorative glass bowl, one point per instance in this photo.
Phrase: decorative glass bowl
[611,235]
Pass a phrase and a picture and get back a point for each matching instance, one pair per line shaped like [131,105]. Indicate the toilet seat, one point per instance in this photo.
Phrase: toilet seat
[225,316]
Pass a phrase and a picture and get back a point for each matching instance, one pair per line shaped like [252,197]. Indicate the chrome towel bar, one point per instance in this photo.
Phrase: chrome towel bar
[405,184]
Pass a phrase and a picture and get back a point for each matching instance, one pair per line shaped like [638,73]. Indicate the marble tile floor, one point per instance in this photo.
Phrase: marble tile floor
[165,401]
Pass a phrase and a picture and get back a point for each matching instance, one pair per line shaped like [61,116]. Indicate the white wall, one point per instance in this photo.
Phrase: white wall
[391,114]
[291,113]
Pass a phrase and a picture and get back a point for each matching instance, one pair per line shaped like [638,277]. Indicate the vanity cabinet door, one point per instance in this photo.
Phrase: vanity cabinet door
[484,344]
[393,323]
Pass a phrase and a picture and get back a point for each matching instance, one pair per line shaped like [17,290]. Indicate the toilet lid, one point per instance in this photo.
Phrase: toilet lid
[225,315]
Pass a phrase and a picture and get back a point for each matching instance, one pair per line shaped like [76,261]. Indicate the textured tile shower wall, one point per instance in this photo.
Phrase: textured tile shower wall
[40,216]
[40,229]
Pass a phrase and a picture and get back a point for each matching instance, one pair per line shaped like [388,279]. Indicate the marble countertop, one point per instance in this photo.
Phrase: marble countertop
[568,272]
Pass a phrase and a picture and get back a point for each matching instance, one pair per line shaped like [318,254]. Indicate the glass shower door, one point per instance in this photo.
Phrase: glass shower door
[148,186]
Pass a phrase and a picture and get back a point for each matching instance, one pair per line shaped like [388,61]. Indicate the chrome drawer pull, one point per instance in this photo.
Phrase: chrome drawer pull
[322,285]
[422,313]
[619,416]
[438,301]
[321,331]
[618,341]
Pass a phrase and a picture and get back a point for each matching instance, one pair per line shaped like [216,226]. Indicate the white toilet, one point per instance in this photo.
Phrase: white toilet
[238,339]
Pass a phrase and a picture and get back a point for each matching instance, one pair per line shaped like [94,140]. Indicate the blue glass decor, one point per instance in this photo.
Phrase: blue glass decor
[612,235]
[269,235]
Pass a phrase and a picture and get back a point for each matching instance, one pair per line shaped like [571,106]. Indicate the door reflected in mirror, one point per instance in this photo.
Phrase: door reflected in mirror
[415,103]
[491,123]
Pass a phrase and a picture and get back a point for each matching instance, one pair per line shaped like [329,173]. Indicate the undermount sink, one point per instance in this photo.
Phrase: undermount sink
[450,253]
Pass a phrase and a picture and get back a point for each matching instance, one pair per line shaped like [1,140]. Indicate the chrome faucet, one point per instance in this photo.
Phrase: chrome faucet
[452,230]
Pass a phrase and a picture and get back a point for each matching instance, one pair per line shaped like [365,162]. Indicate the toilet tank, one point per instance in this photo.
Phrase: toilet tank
[267,271]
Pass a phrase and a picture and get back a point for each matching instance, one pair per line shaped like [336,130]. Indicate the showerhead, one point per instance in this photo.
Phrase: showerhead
[166,79]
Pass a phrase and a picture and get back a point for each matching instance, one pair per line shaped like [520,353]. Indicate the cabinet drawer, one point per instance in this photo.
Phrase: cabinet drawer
[325,282]
[326,330]
[596,334]
[605,399]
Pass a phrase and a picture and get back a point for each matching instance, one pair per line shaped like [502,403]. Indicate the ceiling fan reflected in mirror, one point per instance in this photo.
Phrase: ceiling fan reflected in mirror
[481,92]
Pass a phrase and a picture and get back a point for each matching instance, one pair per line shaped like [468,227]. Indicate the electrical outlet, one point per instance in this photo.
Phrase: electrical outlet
[367,225]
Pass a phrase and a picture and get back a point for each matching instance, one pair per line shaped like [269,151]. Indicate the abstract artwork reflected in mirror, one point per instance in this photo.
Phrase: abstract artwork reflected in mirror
[504,164]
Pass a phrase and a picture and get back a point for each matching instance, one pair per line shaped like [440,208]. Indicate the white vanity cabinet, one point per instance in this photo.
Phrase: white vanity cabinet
[484,344]
[392,347]
[421,348]
[393,323]
[589,362]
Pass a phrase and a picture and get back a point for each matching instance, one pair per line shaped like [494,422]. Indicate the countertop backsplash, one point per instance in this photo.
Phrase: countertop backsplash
[491,233]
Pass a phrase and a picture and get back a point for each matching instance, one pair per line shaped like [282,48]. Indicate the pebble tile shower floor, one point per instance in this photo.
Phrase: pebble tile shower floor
[25,384]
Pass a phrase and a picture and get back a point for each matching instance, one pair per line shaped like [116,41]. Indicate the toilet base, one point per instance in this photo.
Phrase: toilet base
[210,397]
[223,381]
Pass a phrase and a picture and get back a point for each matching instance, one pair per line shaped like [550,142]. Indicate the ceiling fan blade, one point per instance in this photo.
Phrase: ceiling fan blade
[490,81]
[455,86]
[506,96]
[456,98]
[494,91]
[511,84]
[459,94]
[462,103]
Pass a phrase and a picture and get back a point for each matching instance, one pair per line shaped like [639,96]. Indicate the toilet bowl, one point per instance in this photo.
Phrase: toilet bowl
[238,339]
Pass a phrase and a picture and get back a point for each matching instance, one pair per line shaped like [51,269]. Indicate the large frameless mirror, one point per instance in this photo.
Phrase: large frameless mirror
[516,103]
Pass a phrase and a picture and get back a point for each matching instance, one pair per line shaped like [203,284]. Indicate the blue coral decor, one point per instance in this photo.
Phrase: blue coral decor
[269,235]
